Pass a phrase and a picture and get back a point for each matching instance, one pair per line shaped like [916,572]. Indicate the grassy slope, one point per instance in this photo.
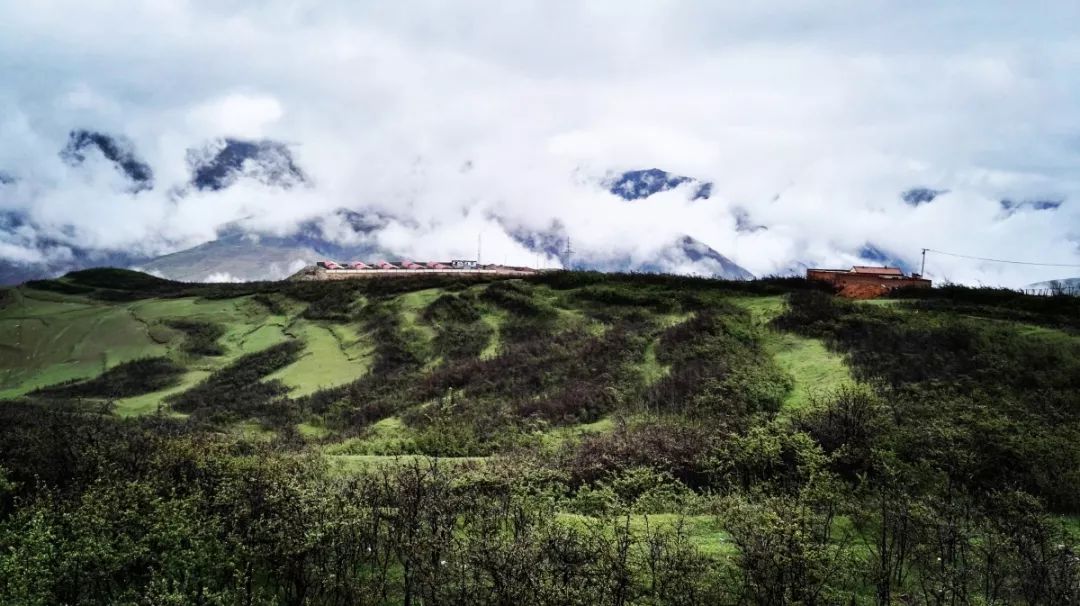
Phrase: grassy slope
[332,356]
[816,370]
[148,403]
[59,337]
[48,338]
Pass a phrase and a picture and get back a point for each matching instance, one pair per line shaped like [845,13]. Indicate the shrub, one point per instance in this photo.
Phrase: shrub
[200,337]
[132,378]
[240,390]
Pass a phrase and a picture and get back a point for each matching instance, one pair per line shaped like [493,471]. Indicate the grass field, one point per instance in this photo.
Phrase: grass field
[330,358]
[148,403]
[416,332]
[592,400]
[815,369]
[494,319]
[47,338]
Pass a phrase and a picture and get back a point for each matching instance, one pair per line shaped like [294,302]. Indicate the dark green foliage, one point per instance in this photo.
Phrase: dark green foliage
[985,402]
[670,445]
[112,284]
[849,425]
[628,296]
[200,338]
[929,484]
[451,308]
[394,353]
[120,279]
[240,390]
[719,369]
[199,527]
[567,280]
[515,297]
[57,286]
[460,331]
[568,376]
[272,304]
[455,341]
[1061,311]
[335,305]
[132,378]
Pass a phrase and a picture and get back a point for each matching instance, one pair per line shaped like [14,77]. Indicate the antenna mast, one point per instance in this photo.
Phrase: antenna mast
[922,270]
[479,243]
[569,253]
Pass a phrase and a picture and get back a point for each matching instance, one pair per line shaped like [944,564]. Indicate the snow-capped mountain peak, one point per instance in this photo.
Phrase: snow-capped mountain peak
[116,149]
[223,162]
[640,184]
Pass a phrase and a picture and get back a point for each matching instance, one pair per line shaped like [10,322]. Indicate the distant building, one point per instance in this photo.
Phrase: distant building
[331,270]
[867,282]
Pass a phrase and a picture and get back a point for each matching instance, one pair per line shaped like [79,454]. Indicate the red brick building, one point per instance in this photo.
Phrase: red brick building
[867,282]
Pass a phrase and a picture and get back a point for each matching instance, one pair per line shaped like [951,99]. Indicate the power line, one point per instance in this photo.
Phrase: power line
[941,252]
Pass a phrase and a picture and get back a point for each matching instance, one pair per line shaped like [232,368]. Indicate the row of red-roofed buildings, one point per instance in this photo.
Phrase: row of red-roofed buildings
[360,265]
[332,270]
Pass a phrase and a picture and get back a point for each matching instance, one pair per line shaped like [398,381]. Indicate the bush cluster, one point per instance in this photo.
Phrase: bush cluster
[133,378]
[200,338]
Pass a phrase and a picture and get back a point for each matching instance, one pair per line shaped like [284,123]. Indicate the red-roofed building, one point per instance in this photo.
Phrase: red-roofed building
[867,282]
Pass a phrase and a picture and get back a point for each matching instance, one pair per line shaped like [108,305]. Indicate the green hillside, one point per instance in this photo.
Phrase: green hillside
[568,438]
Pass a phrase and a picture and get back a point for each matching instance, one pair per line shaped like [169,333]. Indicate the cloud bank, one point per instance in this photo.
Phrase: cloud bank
[810,118]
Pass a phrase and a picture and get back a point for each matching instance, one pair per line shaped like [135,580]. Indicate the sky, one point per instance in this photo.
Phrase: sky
[458,118]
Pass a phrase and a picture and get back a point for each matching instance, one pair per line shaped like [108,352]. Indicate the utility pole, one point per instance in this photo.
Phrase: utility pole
[569,253]
[922,270]
[479,243]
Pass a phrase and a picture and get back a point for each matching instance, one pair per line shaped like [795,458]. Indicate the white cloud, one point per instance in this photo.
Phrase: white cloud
[237,115]
[811,115]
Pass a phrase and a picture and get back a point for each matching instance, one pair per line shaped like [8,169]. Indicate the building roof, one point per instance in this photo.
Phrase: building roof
[880,271]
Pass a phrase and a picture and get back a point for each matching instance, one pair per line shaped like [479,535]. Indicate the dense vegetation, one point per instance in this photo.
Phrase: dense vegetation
[573,438]
[140,376]
[239,390]
[202,337]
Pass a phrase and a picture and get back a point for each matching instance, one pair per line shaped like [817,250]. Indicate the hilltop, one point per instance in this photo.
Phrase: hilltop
[631,438]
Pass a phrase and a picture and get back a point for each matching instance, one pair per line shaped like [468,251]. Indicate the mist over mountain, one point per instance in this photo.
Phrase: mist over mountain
[638,184]
[778,138]
[921,195]
[221,163]
[26,254]
[119,151]
[1010,207]
[238,254]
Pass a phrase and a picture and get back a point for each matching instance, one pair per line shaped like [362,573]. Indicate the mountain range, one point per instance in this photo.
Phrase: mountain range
[29,250]
[239,253]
